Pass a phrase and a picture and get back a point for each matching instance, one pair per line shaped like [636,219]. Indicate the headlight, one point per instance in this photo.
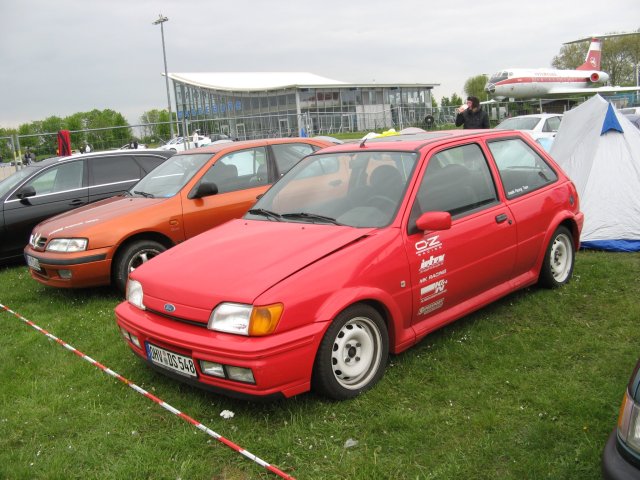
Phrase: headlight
[67,245]
[629,423]
[135,295]
[244,319]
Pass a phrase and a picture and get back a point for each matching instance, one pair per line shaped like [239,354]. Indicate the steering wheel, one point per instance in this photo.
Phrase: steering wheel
[382,203]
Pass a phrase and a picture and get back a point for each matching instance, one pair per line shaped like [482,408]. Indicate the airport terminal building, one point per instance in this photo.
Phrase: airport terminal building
[258,105]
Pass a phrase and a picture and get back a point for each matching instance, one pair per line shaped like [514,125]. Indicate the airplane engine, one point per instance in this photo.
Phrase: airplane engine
[598,77]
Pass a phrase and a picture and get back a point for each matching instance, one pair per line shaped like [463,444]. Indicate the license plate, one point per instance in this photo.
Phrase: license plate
[173,361]
[33,262]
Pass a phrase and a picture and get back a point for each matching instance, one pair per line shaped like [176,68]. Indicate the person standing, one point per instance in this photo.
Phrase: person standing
[195,138]
[472,115]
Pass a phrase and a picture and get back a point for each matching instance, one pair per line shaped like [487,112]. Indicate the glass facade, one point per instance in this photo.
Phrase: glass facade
[301,111]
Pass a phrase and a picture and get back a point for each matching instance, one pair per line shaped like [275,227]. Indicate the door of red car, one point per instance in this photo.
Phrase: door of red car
[526,176]
[477,254]
[239,176]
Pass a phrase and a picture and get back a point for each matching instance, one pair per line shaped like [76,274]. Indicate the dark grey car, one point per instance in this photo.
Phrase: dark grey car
[56,185]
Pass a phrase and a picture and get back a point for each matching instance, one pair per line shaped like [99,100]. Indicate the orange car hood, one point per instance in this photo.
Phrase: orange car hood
[239,260]
[75,222]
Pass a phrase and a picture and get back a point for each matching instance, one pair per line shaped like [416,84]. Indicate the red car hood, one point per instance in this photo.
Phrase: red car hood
[81,218]
[239,260]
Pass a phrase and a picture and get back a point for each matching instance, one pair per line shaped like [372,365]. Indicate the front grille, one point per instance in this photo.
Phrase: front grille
[177,319]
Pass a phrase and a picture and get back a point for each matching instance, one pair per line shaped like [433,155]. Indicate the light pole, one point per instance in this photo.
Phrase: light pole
[160,21]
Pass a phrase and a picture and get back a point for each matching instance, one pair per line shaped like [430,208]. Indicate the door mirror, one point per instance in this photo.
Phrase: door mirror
[434,221]
[204,189]
[26,191]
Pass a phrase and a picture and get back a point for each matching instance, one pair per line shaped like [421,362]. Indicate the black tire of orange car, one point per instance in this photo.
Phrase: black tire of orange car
[559,259]
[131,256]
[353,353]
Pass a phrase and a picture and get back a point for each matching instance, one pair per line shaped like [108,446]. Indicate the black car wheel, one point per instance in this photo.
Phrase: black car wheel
[132,256]
[353,353]
[559,259]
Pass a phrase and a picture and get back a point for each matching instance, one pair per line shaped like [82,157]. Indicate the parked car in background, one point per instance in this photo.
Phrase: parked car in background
[542,125]
[360,250]
[621,456]
[192,192]
[634,119]
[55,185]
[178,144]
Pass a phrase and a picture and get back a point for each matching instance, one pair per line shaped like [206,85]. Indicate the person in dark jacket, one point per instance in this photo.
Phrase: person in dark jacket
[471,115]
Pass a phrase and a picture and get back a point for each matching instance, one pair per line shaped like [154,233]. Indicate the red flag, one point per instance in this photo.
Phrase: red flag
[64,143]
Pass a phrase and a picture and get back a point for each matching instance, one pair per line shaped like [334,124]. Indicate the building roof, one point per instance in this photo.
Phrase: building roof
[259,81]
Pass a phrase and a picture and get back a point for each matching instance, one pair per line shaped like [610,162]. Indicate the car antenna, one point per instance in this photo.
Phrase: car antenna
[362,143]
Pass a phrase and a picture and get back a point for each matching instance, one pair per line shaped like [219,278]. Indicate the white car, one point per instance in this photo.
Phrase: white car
[178,144]
[542,125]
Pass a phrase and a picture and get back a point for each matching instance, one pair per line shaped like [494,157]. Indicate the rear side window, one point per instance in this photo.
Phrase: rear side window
[552,124]
[288,154]
[522,169]
[113,169]
[149,162]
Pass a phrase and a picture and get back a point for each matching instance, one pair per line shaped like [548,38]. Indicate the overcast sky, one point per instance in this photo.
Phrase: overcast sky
[66,56]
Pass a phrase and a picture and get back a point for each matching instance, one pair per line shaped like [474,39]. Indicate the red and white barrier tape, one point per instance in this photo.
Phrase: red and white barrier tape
[166,406]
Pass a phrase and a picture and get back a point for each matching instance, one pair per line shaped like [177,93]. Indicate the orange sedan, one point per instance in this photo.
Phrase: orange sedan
[102,243]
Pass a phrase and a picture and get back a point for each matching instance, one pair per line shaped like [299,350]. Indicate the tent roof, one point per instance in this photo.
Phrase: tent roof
[260,81]
[600,151]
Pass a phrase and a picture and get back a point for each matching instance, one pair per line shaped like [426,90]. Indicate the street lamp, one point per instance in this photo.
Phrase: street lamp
[160,21]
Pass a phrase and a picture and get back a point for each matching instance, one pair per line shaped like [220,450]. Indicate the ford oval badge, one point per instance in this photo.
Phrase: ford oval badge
[169,308]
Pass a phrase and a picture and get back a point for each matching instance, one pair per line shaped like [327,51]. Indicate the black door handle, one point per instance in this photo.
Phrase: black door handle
[76,201]
[501,218]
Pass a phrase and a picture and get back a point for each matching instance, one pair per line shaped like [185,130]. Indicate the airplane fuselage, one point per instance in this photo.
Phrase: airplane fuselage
[521,83]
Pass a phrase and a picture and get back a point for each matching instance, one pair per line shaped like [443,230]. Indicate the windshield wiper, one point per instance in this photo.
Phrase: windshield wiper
[144,194]
[265,213]
[311,216]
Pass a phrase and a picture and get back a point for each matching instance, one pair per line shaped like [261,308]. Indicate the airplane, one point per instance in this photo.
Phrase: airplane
[527,83]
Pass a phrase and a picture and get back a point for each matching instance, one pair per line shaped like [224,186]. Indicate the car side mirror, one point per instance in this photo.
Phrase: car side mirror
[26,191]
[434,221]
[203,189]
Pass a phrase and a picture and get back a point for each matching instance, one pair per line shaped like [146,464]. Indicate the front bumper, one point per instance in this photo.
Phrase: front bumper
[70,270]
[281,363]
[614,465]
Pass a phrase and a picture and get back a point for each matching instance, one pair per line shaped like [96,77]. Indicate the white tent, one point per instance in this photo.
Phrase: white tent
[600,151]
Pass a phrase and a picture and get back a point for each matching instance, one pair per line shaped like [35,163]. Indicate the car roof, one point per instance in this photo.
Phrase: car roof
[218,147]
[414,142]
[537,115]
[52,160]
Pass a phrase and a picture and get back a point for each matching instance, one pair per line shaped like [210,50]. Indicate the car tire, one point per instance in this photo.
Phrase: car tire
[559,259]
[352,355]
[132,256]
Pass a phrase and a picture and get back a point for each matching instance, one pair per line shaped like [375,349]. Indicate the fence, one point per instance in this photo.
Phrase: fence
[363,119]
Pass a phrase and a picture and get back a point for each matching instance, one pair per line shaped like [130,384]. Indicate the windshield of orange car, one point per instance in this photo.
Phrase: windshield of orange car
[169,177]
[358,189]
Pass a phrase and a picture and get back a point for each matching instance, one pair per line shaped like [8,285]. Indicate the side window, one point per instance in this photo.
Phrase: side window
[149,162]
[113,169]
[239,170]
[457,180]
[551,124]
[288,154]
[68,176]
[522,170]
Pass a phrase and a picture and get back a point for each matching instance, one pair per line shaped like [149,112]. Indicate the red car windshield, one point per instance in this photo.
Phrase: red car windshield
[358,189]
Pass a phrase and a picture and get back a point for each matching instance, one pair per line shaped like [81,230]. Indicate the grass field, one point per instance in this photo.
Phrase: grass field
[528,387]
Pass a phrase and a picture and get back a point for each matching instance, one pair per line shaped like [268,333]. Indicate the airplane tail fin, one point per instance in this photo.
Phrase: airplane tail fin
[592,61]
